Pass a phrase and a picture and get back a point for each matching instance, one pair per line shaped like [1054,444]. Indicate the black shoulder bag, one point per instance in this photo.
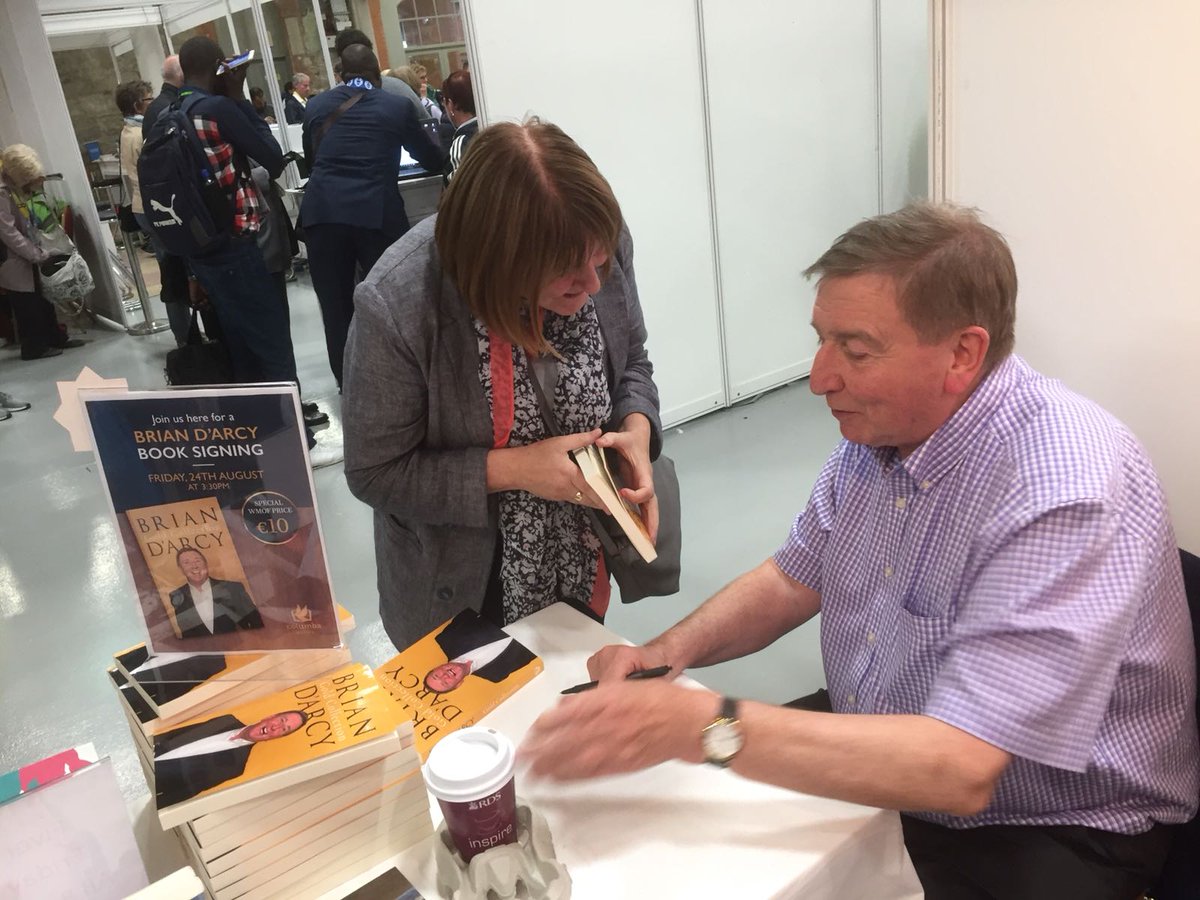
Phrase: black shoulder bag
[199,361]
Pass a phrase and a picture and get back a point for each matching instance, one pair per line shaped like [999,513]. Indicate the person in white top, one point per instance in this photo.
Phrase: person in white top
[203,605]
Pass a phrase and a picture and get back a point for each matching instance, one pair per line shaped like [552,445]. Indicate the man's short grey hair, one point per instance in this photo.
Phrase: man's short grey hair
[172,72]
[300,78]
[951,270]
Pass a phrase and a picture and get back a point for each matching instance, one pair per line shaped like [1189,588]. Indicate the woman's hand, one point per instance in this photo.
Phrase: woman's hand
[544,468]
[632,443]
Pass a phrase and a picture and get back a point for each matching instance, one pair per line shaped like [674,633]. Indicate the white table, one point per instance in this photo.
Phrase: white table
[679,830]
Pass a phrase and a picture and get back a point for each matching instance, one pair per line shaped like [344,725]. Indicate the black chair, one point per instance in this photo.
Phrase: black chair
[1181,875]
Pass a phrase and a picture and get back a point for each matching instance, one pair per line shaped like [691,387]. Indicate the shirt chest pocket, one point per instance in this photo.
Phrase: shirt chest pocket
[913,664]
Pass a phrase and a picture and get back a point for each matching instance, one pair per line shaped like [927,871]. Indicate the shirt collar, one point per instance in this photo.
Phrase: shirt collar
[945,447]
[359,83]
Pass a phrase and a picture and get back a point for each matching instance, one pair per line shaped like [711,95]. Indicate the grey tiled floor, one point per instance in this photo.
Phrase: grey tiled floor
[65,592]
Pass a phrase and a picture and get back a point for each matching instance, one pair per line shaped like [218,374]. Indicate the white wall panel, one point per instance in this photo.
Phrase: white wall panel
[904,80]
[793,101]
[1074,126]
[623,79]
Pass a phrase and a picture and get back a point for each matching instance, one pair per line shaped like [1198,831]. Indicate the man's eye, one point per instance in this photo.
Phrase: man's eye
[855,356]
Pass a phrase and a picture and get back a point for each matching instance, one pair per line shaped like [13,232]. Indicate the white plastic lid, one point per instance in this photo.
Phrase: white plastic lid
[469,764]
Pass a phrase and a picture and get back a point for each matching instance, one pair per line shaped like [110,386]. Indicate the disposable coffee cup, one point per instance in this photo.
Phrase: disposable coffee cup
[470,771]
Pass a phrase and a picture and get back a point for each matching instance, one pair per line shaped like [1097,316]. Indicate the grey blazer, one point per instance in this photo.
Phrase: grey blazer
[418,429]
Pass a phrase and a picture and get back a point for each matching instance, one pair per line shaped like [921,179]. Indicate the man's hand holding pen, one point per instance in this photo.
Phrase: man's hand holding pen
[617,662]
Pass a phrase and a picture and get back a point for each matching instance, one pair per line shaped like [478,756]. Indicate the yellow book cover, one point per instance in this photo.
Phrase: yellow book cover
[186,544]
[456,675]
[231,755]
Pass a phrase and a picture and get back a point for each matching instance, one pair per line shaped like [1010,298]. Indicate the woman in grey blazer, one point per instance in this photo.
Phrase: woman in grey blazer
[527,271]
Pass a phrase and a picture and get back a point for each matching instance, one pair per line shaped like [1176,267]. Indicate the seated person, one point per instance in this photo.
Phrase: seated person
[1004,628]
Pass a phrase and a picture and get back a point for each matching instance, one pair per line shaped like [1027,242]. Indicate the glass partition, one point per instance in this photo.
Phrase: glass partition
[433,36]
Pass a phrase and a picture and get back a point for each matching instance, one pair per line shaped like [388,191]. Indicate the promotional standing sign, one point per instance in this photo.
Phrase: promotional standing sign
[213,499]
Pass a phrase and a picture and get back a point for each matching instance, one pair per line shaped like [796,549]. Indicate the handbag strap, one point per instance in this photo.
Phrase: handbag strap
[193,335]
[333,117]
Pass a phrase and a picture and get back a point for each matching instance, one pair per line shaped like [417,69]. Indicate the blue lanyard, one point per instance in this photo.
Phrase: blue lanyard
[361,83]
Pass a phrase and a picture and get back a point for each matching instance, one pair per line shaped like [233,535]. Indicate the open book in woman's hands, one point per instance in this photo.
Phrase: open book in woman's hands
[594,465]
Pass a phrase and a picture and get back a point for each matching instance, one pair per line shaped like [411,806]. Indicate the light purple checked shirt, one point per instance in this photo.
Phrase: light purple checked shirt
[1016,577]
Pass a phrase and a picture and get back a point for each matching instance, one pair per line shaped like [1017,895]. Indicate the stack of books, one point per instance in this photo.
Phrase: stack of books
[289,793]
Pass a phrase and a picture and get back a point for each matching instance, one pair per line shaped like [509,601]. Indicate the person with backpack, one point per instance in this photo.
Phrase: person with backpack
[202,205]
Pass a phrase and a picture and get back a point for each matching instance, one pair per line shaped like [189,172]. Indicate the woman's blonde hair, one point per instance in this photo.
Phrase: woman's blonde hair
[21,166]
[408,76]
[525,206]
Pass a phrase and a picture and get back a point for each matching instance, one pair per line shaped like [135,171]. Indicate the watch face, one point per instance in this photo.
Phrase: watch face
[722,741]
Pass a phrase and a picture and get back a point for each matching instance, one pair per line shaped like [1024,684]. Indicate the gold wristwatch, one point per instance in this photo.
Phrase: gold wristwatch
[722,739]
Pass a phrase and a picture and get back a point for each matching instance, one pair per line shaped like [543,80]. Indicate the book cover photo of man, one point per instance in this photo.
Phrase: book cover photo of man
[196,758]
[203,606]
[474,646]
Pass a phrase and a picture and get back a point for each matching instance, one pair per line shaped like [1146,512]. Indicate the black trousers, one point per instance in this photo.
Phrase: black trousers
[37,325]
[1026,862]
[336,253]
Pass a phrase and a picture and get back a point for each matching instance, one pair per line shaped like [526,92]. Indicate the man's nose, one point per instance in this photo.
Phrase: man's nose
[823,378]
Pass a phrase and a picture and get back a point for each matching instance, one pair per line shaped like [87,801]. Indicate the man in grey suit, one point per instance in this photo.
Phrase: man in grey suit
[204,606]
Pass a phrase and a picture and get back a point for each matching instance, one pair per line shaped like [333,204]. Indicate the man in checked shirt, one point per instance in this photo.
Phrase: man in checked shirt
[1004,629]
[253,317]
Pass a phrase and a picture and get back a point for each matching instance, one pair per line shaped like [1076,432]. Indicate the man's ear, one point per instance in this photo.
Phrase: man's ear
[968,353]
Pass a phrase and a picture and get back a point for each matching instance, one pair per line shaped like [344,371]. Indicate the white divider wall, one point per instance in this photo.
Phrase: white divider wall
[793,98]
[1074,126]
[904,80]
[623,79]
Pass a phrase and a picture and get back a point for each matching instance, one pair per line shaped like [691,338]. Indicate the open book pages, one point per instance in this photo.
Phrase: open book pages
[594,465]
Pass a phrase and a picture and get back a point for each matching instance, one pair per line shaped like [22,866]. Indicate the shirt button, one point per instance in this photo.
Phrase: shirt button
[851,699]
[887,571]
[926,485]
[870,637]
[901,502]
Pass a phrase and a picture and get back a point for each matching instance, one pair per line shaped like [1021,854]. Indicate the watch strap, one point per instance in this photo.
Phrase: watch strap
[729,706]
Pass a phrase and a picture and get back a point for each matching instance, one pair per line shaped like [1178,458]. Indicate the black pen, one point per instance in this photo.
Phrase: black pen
[656,672]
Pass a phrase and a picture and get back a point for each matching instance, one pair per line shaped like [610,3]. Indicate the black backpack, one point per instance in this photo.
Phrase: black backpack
[191,213]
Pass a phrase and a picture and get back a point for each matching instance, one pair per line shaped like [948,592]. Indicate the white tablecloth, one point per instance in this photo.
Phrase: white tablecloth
[680,830]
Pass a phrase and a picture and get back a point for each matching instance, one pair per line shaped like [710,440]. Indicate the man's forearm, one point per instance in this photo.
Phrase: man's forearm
[744,616]
[913,763]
